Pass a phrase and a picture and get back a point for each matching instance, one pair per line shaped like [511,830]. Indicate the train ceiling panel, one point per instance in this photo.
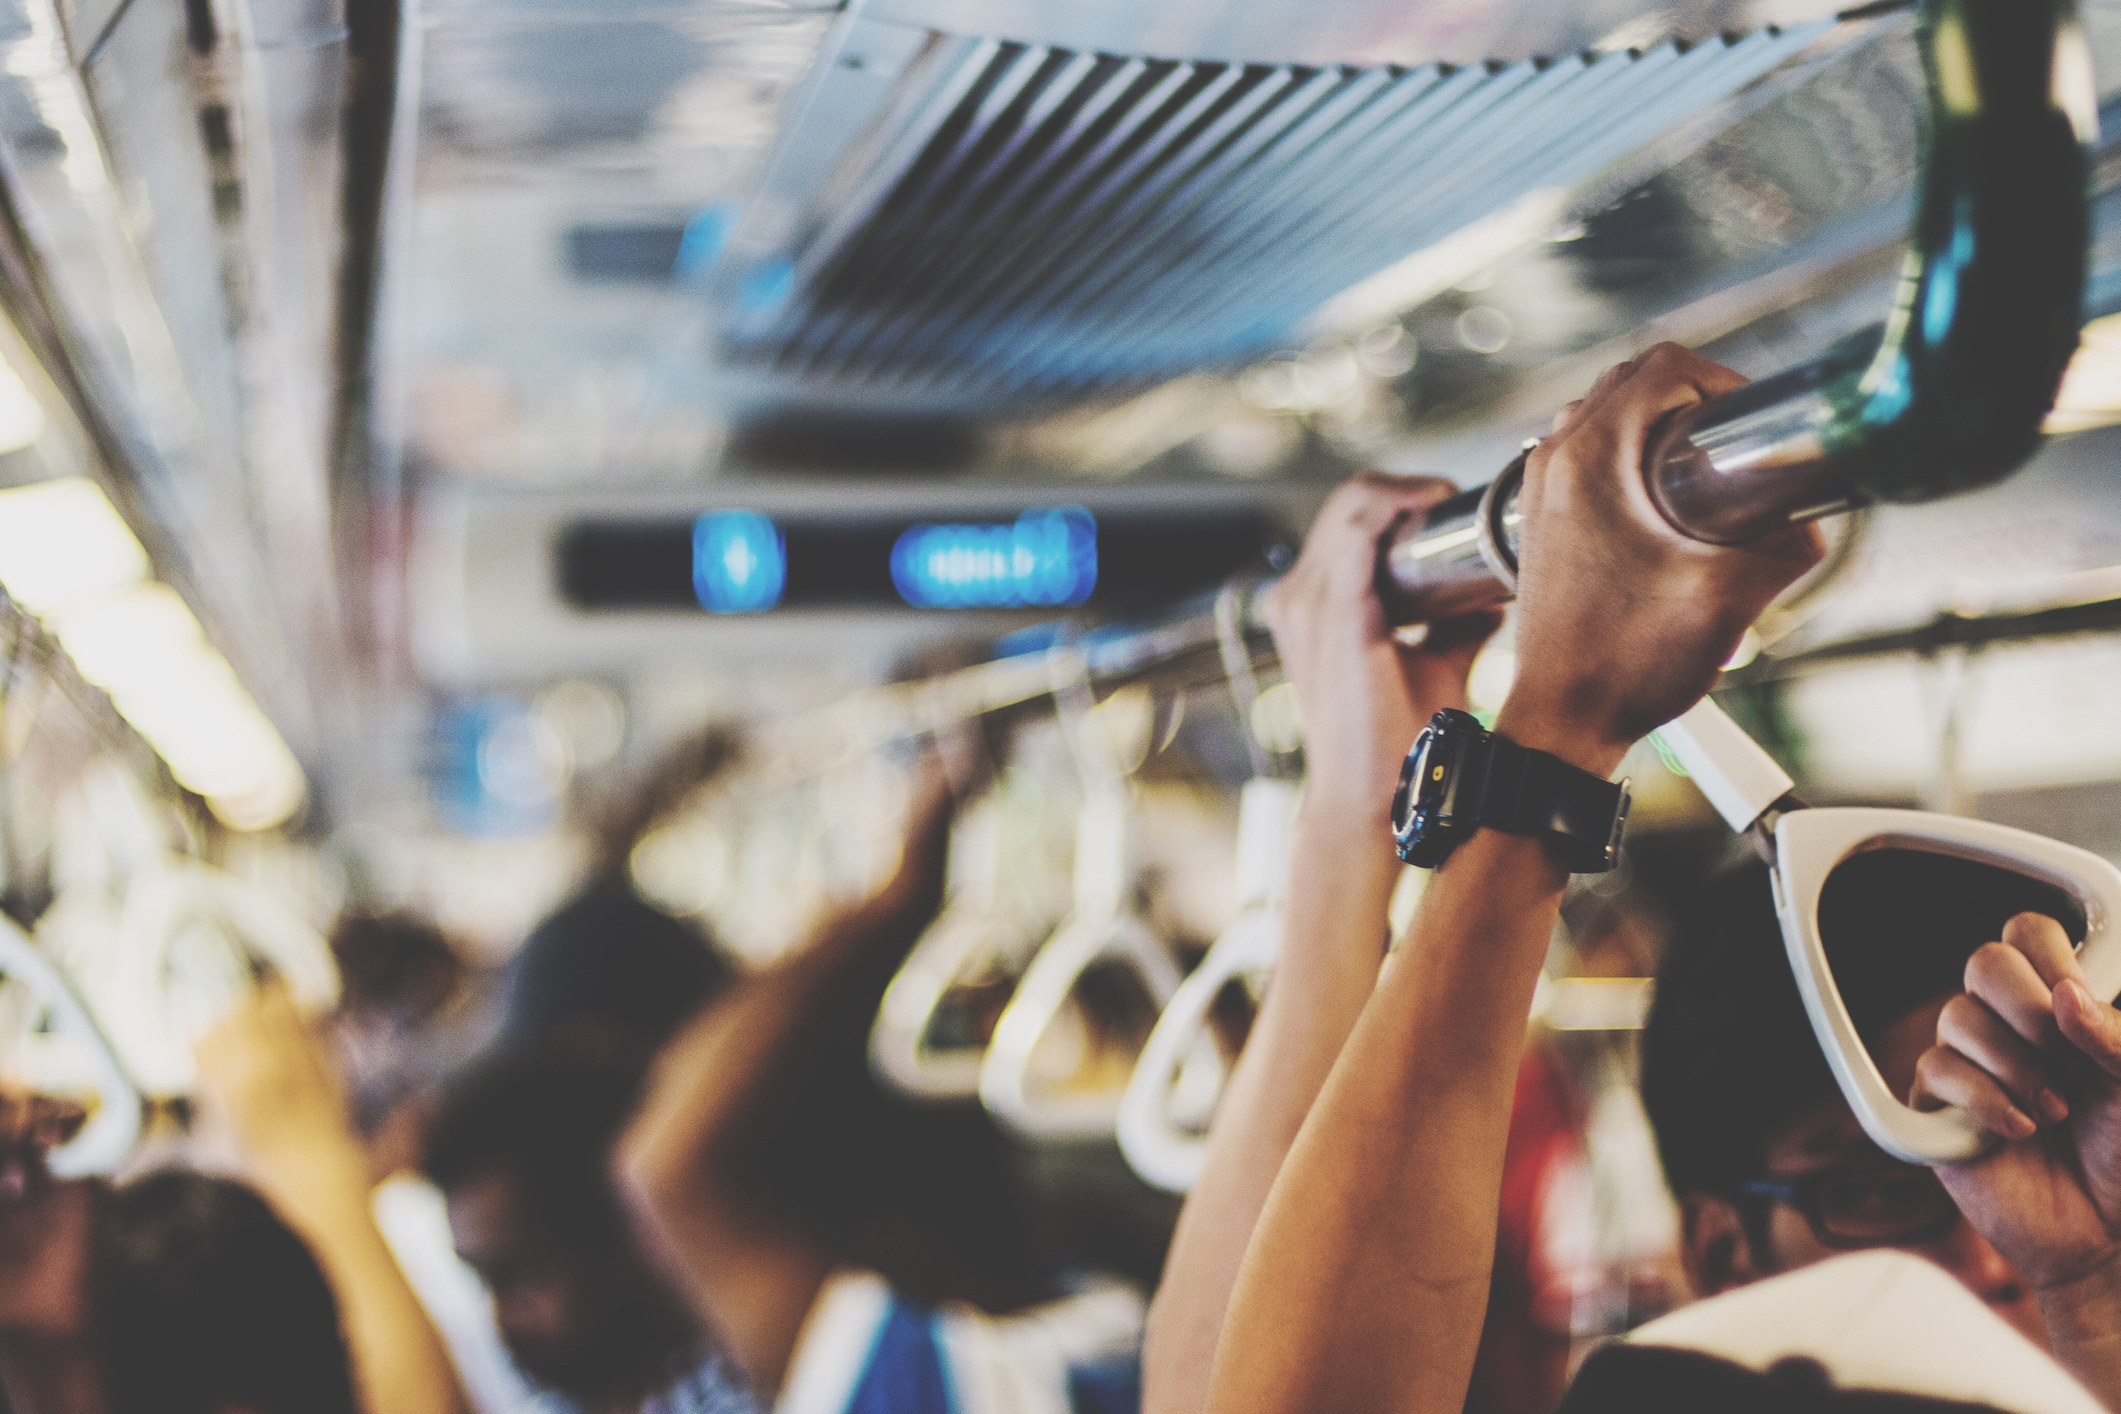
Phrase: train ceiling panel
[1028,223]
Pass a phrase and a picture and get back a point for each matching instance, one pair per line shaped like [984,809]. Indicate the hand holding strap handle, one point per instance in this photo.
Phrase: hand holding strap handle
[1809,844]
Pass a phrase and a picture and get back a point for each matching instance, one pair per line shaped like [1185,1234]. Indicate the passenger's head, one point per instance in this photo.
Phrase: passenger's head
[1771,1168]
[401,982]
[608,970]
[201,1301]
[398,969]
[521,1148]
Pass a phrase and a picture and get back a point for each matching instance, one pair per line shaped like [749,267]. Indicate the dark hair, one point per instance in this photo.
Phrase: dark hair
[1647,1379]
[1728,1056]
[547,1116]
[201,1299]
[611,967]
[395,963]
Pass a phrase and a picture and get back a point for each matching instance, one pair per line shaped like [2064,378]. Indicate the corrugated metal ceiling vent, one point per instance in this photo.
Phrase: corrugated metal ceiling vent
[1057,224]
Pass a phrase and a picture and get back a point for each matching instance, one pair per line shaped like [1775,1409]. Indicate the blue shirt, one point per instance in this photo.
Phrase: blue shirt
[865,1350]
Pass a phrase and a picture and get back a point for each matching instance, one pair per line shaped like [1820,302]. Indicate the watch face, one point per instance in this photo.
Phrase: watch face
[1420,817]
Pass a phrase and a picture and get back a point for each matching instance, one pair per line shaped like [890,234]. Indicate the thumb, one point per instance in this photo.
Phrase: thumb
[2090,1025]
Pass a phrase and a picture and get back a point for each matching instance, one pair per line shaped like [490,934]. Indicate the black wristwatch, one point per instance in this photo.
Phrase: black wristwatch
[1461,777]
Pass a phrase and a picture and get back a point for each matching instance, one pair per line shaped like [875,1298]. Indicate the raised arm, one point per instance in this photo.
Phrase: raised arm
[747,1275]
[1363,695]
[263,1072]
[1365,1283]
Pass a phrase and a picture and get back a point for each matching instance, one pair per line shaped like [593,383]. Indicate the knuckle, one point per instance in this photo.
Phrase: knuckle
[1987,967]
[1934,1066]
[2032,930]
[1962,1016]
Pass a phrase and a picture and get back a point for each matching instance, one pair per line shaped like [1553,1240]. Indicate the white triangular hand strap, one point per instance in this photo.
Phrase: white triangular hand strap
[1808,846]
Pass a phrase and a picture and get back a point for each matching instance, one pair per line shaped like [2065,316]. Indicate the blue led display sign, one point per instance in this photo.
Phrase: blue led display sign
[1043,559]
[739,562]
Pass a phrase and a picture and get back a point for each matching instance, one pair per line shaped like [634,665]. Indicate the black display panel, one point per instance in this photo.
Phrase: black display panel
[1048,557]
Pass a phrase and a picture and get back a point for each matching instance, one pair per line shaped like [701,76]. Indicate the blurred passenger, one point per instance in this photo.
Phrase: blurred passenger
[1772,1170]
[401,1019]
[849,1248]
[205,1301]
[521,1148]
[521,1141]
[263,1072]
[411,1008]
[177,1293]
[608,970]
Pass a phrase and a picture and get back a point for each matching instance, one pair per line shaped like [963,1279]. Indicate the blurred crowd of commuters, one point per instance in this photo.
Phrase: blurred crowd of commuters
[654,1184]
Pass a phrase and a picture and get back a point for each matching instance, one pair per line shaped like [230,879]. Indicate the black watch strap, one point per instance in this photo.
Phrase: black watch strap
[1528,792]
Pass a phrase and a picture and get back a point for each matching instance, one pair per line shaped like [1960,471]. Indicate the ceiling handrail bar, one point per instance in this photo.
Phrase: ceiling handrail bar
[1949,395]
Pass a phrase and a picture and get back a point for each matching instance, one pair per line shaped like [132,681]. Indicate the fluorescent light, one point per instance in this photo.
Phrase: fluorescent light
[129,639]
[197,716]
[21,415]
[67,556]
[61,542]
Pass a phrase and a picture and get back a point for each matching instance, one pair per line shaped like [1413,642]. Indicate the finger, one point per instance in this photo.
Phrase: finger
[1408,488]
[1372,499]
[1664,380]
[2045,945]
[1967,1026]
[1605,382]
[1346,539]
[2003,977]
[1573,411]
[2090,1025]
[1944,1077]
[1624,407]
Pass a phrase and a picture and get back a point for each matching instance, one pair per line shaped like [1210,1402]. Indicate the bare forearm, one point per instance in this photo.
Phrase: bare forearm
[2084,1327]
[1341,882]
[1365,1284]
[748,1279]
[400,1365]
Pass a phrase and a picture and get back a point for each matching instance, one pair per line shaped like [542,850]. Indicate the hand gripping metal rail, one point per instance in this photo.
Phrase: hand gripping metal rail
[1947,396]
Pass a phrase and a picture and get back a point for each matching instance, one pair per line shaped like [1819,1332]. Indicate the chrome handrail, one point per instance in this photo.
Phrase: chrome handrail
[1947,395]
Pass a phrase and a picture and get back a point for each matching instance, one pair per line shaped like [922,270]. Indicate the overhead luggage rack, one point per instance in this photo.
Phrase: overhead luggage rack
[1043,224]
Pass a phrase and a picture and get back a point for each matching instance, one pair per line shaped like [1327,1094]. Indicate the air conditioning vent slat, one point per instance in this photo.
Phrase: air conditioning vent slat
[1104,146]
[950,68]
[1052,223]
[938,271]
[1118,227]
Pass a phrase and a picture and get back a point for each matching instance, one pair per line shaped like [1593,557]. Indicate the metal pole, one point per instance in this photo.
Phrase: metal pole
[1946,396]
